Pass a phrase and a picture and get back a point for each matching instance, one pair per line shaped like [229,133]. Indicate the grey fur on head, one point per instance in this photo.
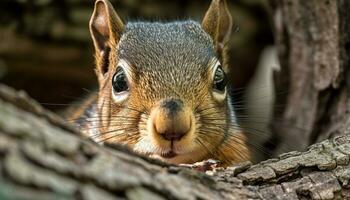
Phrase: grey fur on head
[178,49]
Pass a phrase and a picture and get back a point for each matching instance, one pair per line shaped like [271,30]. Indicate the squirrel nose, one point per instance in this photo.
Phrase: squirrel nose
[172,121]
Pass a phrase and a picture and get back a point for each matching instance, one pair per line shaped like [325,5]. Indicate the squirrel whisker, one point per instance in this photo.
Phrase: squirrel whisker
[113,131]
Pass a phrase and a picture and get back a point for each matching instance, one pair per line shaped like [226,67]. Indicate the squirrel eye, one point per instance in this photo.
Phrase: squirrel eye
[220,80]
[119,81]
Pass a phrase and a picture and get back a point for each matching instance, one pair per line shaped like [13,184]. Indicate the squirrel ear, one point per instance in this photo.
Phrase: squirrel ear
[105,27]
[217,23]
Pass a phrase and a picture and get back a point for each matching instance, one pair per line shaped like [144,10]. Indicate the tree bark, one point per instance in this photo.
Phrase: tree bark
[41,157]
[313,39]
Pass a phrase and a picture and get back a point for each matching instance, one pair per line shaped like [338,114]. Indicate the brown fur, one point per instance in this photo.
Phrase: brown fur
[165,61]
[77,112]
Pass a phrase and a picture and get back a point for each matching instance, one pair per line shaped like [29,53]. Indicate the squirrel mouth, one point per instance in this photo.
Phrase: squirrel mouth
[170,154]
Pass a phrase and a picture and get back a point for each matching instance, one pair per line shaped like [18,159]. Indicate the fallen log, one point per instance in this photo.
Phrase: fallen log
[42,157]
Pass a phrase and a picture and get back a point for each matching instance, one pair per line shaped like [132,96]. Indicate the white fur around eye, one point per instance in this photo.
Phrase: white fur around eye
[122,96]
[219,96]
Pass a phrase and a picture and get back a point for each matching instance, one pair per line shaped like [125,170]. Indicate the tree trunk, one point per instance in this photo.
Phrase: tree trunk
[313,39]
[43,158]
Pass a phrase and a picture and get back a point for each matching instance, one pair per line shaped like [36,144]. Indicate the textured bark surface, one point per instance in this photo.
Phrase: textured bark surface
[313,39]
[43,158]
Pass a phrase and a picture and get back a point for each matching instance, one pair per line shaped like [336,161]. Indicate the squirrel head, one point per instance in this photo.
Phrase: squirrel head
[162,86]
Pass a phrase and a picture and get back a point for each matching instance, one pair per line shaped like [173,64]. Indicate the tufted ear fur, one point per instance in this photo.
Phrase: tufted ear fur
[106,28]
[217,23]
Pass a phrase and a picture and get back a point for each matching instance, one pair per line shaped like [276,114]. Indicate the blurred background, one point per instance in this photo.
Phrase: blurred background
[46,50]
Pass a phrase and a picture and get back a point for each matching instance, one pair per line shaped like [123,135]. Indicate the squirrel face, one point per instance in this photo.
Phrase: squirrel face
[162,85]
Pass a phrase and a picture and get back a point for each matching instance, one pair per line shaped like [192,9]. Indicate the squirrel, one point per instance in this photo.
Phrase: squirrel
[163,90]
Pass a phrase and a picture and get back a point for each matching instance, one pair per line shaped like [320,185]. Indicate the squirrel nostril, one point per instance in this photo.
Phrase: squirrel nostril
[172,130]
[172,136]
[168,132]
[172,120]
